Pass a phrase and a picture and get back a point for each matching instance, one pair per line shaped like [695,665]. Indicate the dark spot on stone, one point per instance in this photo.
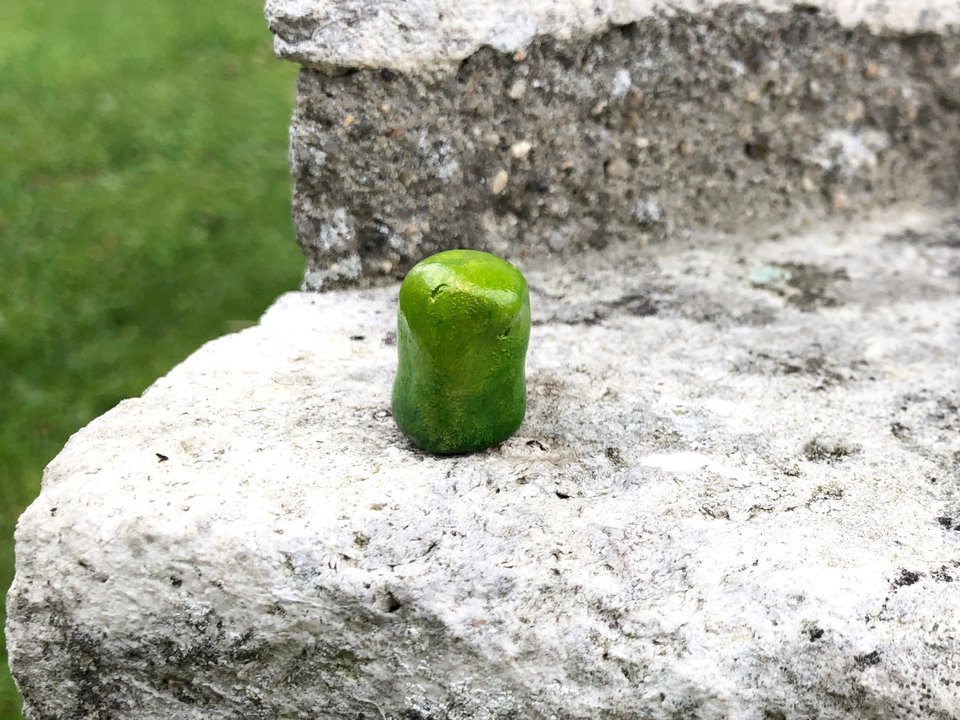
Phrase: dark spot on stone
[810,285]
[361,540]
[946,235]
[906,577]
[161,457]
[945,521]
[637,305]
[357,337]
[827,450]
[413,714]
[562,495]
[388,75]
[537,444]
[373,239]
[715,512]
[757,149]
[815,633]
[175,581]
[899,430]
[362,129]
[537,185]
[613,455]
[942,575]
[53,511]
[390,338]
[862,662]
[774,715]
[389,603]
[598,239]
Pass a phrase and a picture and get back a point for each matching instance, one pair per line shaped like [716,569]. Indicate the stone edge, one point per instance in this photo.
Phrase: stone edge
[436,35]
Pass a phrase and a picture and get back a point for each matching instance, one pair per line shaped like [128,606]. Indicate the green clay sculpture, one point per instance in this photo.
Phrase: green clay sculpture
[462,334]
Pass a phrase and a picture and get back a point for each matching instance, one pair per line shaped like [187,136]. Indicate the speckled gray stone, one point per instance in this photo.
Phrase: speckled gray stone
[725,119]
[736,495]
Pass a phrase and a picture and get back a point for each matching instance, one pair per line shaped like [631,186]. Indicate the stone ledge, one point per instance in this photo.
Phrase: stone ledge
[724,119]
[735,495]
[414,35]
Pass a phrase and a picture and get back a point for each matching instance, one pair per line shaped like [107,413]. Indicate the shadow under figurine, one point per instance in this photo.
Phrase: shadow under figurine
[462,332]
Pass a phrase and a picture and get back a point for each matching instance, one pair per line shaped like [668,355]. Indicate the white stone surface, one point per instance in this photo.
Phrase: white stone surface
[413,34]
[733,497]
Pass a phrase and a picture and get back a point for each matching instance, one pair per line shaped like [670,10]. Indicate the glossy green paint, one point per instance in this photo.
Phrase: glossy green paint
[462,334]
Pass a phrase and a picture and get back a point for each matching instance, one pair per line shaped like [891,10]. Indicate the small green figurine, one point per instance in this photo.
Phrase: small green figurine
[462,334]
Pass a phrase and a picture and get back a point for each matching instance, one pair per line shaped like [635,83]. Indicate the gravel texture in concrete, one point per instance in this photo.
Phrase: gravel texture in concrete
[723,120]
[736,495]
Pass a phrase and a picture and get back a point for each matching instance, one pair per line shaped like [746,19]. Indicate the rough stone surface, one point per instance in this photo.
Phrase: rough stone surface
[736,495]
[417,34]
[718,120]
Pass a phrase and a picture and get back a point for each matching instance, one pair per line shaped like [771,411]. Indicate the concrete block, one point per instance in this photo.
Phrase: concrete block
[735,496]
[546,128]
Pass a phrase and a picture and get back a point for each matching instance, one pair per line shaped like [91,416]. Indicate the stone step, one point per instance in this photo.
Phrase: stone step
[735,495]
[547,128]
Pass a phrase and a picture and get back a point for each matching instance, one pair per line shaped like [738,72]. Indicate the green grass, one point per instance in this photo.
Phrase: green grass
[144,208]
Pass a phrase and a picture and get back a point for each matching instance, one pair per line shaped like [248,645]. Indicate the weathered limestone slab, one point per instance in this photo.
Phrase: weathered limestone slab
[542,128]
[418,34]
[735,496]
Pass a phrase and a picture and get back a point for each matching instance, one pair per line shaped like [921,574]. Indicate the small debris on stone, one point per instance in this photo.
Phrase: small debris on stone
[499,183]
[521,149]
[621,83]
[642,142]
[646,211]
[517,90]
[906,577]
[753,96]
[348,120]
[685,148]
[490,139]
[617,168]
[768,275]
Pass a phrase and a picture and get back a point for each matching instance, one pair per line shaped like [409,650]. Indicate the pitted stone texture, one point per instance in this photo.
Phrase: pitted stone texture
[735,496]
[421,34]
[718,121]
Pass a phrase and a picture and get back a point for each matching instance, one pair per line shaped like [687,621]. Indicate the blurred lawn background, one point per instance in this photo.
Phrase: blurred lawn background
[144,208]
